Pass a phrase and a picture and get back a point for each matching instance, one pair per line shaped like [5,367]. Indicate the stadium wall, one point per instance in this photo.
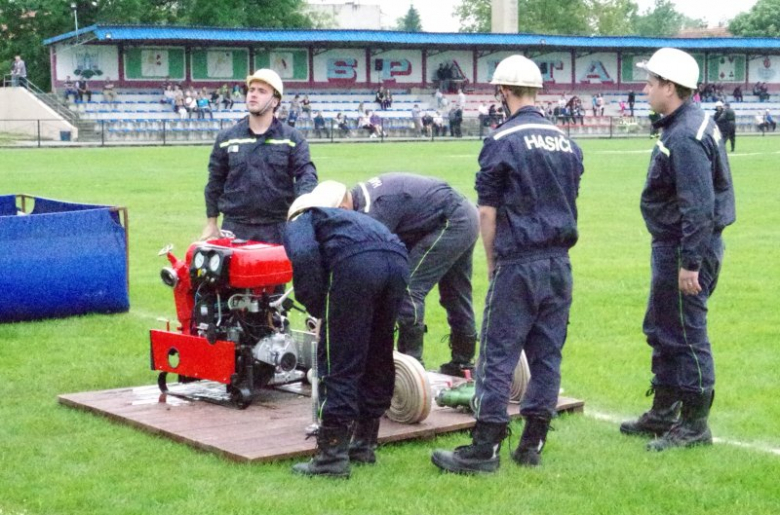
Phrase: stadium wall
[308,67]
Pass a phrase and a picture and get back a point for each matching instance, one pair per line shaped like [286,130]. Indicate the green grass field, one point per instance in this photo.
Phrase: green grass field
[57,461]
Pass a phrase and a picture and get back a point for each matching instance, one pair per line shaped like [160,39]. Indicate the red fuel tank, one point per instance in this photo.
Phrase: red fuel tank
[252,264]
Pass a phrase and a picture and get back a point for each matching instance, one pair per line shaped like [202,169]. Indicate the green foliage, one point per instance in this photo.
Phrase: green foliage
[762,20]
[26,24]
[474,15]
[663,20]
[410,22]
[582,17]
[56,460]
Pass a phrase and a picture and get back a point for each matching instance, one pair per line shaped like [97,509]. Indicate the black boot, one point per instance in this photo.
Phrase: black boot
[529,452]
[463,349]
[410,340]
[332,458]
[692,429]
[661,417]
[361,449]
[480,456]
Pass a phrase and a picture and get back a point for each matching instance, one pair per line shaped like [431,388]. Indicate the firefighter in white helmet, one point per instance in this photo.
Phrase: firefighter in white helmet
[257,168]
[527,188]
[688,200]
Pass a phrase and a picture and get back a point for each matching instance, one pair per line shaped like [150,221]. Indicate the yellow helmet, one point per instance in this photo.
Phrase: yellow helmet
[268,76]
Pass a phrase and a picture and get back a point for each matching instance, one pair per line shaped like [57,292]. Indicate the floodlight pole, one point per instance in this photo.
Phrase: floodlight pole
[74,8]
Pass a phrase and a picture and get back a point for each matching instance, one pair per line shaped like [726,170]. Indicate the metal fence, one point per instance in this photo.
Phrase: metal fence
[32,133]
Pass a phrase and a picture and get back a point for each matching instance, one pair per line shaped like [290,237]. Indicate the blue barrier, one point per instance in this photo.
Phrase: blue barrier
[61,259]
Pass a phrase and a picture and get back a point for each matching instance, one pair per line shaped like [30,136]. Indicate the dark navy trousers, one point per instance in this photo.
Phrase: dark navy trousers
[676,324]
[444,257]
[265,233]
[355,353]
[527,308]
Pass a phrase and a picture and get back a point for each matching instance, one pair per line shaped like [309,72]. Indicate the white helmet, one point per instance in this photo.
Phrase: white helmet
[268,76]
[517,70]
[718,104]
[326,194]
[673,65]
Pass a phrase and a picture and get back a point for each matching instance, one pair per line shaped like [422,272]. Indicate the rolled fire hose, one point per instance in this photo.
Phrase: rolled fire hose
[411,401]
[520,379]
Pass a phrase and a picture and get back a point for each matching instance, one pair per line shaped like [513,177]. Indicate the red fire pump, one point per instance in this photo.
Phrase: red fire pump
[233,320]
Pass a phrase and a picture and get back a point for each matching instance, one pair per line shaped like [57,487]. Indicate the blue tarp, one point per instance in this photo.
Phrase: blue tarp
[62,259]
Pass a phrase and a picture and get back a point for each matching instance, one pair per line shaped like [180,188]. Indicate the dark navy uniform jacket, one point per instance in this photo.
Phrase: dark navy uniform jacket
[411,206]
[530,171]
[320,238]
[254,179]
[688,194]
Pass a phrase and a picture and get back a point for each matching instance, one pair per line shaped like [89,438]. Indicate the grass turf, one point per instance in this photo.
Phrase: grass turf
[54,460]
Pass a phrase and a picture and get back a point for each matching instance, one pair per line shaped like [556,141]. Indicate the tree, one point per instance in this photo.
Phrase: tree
[613,17]
[26,24]
[663,20]
[762,20]
[474,15]
[411,21]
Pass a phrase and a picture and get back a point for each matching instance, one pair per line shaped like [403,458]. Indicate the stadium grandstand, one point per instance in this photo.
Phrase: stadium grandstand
[339,72]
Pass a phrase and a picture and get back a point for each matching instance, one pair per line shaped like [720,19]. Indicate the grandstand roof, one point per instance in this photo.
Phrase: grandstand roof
[167,34]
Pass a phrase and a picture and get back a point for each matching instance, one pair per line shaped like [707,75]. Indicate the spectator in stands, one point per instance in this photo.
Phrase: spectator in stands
[282,114]
[253,179]
[594,101]
[70,89]
[343,125]
[292,117]
[320,125]
[109,93]
[190,103]
[482,114]
[427,123]
[379,98]
[439,97]
[388,103]
[461,99]
[169,96]
[439,129]
[214,99]
[295,107]
[417,120]
[456,119]
[764,93]
[238,92]
[365,123]
[766,122]
[361,109]
[578,113]
[376,121]
[631,101]
[227,97]
[306,107]
[600,104]
[204,106]
[18,72]
[493,115]
[82,86]
[737,94]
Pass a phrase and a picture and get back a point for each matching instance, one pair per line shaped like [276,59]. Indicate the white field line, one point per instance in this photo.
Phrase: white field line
[615,419]
[620,152]
[740,154]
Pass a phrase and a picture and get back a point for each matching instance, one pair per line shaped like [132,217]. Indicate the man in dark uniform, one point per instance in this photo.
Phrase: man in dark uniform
[257,168]
[527,185]
[439,226]
[687,201]
[631,101]
[726,121]
[351,272]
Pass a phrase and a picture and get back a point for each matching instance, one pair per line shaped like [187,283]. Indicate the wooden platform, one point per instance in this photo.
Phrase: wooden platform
[272,428]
